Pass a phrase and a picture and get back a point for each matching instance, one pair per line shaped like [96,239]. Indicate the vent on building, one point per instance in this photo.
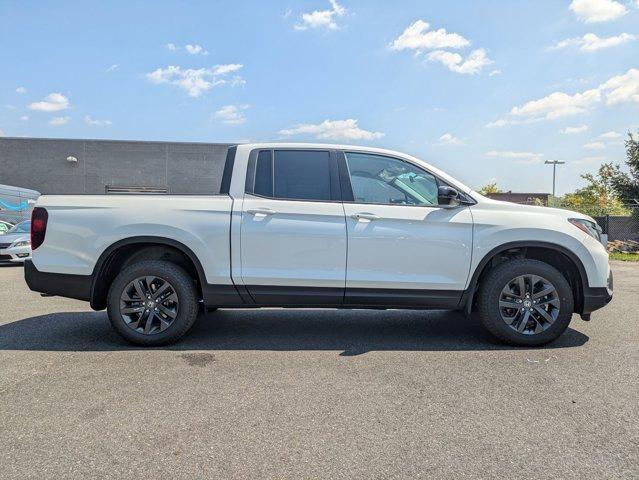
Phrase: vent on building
[133,190]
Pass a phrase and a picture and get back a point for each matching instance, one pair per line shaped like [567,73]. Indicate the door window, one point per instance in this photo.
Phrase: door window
[293,175]
[389,181]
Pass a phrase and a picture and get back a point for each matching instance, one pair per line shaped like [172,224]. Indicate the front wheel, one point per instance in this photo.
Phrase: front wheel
[525,302]
[152,303]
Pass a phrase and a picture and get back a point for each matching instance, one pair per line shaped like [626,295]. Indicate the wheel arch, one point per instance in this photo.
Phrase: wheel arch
[576,276]
[117,254]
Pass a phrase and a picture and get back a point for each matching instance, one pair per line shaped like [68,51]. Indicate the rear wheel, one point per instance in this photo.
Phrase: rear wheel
[152,303]
[525,302]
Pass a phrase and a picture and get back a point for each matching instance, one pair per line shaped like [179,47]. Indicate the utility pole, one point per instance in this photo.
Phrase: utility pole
[554,164]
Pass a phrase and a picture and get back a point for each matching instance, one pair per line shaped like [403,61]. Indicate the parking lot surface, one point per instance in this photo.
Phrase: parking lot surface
[315,394]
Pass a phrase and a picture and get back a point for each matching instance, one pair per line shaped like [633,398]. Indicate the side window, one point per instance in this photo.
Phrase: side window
[387,180]
[294,174]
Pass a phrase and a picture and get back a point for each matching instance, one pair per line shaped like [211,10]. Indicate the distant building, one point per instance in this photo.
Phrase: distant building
[523,198]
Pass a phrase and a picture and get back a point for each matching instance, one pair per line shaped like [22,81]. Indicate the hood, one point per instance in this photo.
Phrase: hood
[516,207]
[13,237]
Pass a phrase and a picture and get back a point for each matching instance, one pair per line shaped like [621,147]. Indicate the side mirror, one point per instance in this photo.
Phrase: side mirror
[448,196]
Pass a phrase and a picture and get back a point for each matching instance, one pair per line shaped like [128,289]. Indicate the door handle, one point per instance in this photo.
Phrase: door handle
[365,216]
[261,212]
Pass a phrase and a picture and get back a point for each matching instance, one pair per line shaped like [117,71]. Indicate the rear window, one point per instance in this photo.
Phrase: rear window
[293,174]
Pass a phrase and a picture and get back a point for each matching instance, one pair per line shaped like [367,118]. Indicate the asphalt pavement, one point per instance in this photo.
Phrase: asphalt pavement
[315,394]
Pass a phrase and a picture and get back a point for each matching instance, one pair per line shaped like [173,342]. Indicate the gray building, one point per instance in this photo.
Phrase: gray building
[53,166]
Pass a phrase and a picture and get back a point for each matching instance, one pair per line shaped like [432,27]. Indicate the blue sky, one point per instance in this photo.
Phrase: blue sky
[484,90]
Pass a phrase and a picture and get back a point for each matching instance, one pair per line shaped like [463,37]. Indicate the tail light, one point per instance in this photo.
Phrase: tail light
[39,218]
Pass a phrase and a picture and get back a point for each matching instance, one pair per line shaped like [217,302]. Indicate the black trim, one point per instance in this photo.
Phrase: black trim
[466,302]
[296,296]
[62,284]
[344,178]
[402,298]
[596,298]
[225,187]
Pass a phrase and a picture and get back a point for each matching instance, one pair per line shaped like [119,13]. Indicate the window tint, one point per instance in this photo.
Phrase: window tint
[302,175]
[386,180]
[264,174]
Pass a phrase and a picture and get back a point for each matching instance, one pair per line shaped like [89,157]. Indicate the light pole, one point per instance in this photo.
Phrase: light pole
[554,164]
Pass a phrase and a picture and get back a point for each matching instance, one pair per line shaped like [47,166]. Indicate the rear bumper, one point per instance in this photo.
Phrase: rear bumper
[59,284]
[596,298]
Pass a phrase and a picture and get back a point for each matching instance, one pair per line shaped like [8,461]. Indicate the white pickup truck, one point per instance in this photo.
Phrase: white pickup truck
[311,225]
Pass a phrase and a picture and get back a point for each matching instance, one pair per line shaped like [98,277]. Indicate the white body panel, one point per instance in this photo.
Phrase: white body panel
[296,244]
[82,227]
[408,247]
[307,243]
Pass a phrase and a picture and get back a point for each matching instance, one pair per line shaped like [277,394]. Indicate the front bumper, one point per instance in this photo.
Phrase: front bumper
[596,298]
[15,254]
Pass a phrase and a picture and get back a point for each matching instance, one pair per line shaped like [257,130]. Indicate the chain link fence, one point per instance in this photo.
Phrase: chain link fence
[621,227]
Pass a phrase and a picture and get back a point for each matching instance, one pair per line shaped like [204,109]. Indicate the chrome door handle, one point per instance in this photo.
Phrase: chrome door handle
[365,216]
[261,212]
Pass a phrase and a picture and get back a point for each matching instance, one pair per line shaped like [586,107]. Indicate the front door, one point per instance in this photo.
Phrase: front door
[293,232]
[403,248]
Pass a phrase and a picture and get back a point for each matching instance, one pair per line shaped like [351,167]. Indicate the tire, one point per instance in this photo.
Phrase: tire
[172,313]
[502,288]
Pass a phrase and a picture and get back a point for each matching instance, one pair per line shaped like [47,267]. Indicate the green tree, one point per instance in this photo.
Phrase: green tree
[599,197]
[627,184]
[490,188]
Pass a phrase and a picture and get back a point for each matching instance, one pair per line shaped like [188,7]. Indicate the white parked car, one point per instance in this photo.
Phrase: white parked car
[5,227]
[310,225]
[15,245]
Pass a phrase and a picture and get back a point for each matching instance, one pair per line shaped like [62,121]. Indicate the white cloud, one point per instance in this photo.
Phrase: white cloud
[519,157]
[97,123]
[322,18]
[287,13]
[494,72]
[595,146]
[574,130]
[21,90]
[610,135]
[591,42]
[332,130]
[622,88]
[195,49]
[112,68]
[472,65]
[51,103]
[57,121]
[558,104]
[231,114]
[24,118]
[172,47]
[196,81]
[449,139]
[417,37]
[594,11]
[619,89]
[589,160]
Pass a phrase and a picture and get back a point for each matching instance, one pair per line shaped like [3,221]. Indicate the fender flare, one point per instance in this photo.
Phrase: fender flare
[106,255]
[467,299]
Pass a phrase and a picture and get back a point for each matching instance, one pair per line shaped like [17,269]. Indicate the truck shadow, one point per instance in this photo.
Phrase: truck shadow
[352,332]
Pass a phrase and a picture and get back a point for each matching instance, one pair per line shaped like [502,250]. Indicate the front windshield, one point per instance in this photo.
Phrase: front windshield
[22,227]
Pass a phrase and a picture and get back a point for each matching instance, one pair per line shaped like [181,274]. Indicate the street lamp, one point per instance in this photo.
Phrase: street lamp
[554,164]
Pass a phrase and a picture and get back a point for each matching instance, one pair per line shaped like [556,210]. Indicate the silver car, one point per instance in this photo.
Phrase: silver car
[15,245]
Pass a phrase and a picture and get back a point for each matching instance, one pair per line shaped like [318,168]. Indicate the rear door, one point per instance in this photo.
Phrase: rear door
[403,248]
[293,231]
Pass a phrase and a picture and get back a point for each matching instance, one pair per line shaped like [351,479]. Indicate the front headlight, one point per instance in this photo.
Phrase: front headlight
[591,228]
[23,243]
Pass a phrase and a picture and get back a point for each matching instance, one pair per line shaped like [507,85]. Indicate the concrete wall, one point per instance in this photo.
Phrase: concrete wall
[41,164]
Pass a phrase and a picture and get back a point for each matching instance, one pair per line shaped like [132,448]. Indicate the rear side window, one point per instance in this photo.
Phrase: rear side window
[294,175]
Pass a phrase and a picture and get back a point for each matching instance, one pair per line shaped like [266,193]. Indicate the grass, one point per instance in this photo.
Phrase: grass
[625,257]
